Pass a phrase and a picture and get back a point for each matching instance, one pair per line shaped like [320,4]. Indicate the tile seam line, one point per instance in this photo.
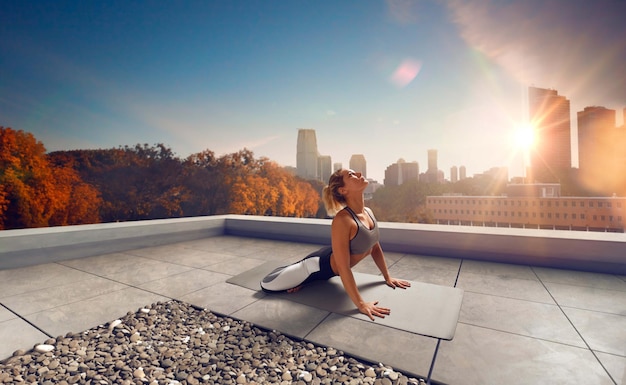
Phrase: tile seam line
[524,335]
[575,328]
[431,370]
[27,321]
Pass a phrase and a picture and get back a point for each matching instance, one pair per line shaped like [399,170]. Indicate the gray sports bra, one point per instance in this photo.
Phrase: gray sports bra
[364,238]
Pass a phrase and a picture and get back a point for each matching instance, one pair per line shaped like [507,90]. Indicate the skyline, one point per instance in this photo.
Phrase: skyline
[386,79]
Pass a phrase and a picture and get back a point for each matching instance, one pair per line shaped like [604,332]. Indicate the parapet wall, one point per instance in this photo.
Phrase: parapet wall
[587,251]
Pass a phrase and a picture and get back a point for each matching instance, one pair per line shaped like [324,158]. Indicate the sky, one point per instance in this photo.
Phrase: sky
[386,79]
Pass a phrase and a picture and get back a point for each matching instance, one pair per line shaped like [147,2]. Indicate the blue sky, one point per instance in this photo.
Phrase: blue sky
[387,79]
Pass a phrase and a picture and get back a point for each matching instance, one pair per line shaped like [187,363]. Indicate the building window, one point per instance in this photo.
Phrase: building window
[590,204]
[599,204]
[602,218]
[549,204]
[565,216]
[582,216]
[556,203]
[608,204]
[595,217]
[557,215]
[610,218]
[550,215]
[573,216]
[565,204]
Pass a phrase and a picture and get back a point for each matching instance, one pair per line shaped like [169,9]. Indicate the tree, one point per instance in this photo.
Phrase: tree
[36,193]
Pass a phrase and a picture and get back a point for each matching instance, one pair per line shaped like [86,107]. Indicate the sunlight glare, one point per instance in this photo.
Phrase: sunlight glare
[524,136]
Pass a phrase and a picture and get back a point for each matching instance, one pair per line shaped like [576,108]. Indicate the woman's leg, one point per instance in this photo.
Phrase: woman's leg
[292,276]
[296,274]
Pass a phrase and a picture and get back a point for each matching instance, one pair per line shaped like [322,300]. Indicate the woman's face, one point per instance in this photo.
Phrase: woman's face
[353,180]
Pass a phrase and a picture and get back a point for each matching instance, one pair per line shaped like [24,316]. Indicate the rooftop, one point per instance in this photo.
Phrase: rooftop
[518,324]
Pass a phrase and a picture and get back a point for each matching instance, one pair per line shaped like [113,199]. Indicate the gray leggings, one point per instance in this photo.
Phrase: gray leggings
[315,266]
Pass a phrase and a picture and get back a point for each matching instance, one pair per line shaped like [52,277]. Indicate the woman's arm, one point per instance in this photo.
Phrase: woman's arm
[379,259]
[340,235]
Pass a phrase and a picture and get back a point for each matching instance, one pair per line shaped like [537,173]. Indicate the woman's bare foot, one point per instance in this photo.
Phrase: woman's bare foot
[295,289]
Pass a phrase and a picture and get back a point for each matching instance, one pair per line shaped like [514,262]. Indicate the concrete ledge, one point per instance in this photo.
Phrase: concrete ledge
[306,230]
[587,251]
[44,245]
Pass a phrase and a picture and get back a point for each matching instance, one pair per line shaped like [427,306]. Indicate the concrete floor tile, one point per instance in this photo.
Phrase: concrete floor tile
[70,292]
[127,268]
[402,350]
[368,266]
[603,332]
[235,266]
[32,278]
[290,318]
[223,298]
[183,256]
[615,365]
[427,270]
[18,334]
[532,319]
[498,269]
[413,260]
[505,287]
[589,298]
[5,314]
[85,314]
[482,356]
[179,285]
[581,278]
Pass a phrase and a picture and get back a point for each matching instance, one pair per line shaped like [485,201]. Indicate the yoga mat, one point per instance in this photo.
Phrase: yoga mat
[424,309]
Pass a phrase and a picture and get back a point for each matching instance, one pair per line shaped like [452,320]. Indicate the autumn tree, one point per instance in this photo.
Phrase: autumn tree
[140,182]
[37,193]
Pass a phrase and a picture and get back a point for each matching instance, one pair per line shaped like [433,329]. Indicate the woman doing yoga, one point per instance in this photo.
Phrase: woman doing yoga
[354,235]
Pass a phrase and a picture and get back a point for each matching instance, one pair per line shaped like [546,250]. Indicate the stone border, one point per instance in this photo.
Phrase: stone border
[579,250]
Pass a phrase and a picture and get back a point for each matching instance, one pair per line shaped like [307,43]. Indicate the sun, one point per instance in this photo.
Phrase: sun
[524,136]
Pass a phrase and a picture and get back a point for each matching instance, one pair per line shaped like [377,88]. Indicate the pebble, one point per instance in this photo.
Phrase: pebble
[174,343]
[44,348]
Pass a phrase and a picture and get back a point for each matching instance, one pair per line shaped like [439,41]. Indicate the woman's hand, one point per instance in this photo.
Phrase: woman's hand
[402,284]
[370,309]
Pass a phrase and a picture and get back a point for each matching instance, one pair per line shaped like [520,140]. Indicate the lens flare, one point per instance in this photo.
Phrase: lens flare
[405,73]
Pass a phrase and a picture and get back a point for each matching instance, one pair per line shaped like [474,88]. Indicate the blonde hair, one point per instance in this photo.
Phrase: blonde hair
[332,198]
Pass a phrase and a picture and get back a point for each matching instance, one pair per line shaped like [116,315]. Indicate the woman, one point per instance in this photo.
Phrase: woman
[354,235]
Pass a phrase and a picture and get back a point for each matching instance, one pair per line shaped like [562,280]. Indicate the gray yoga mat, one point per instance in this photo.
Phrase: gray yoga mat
[424,309]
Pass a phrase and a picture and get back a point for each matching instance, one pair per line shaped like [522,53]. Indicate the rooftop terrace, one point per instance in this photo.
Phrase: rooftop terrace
[539,306]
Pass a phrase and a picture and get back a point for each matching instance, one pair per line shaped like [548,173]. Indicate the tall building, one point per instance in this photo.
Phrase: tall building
[401,172]
[549,114]
[358,164]
[324,167]
[596,131]
[462,173]
[454,174]
[432,174]
[306,156]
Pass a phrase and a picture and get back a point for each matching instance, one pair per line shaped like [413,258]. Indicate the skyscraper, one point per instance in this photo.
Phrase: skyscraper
[401,172]
[324,167]
[432,173]
[597,148]
[358,164]
[596,127]
[462,173]
[549,114]
[306,155]
[454,174]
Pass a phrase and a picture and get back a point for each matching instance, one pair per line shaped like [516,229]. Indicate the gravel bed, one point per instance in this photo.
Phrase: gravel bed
[175,343]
